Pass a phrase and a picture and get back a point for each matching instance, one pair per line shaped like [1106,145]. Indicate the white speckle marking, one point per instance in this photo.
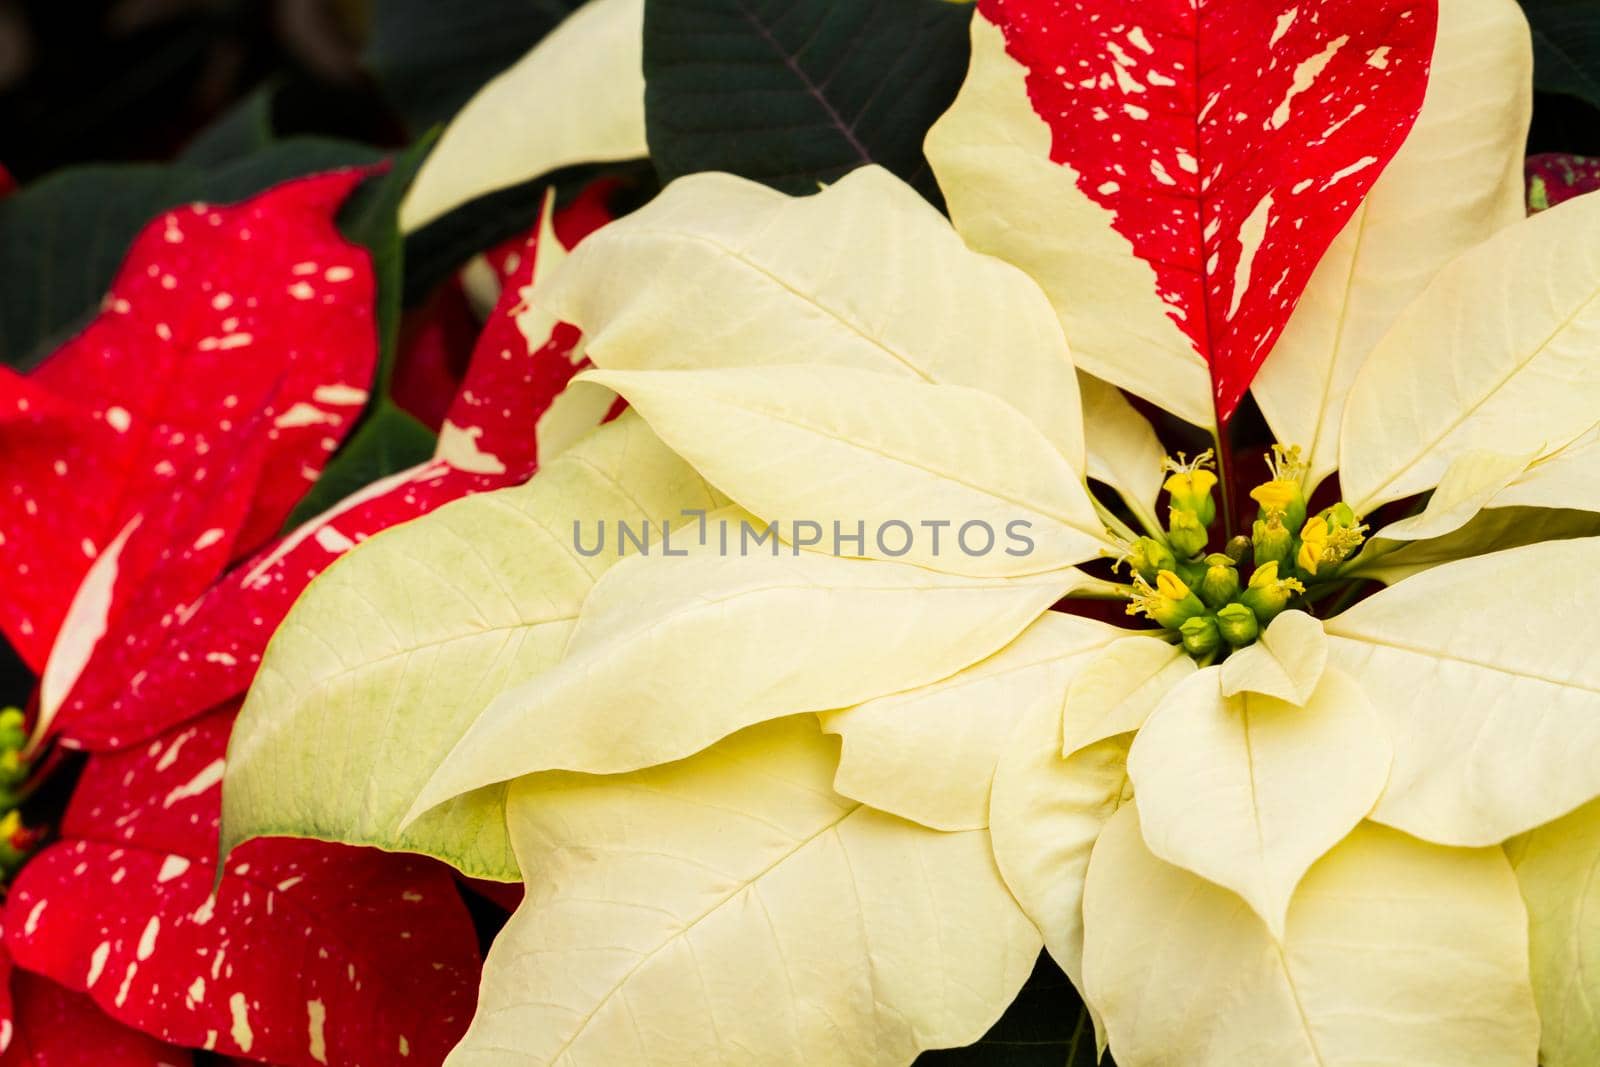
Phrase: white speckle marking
[317,1017]
[1340,175]
[341,395]
[1251,234]
[209,776]
[1304,75]
[1285,20]
[303,414]
[97,962]
[243,1036]
[147,940]
[172,867]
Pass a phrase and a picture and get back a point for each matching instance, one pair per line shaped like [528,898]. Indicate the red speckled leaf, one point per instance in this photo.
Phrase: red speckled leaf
[1226,141]
[1556,177]
[228,331]
[309,953]
[180,664]
[57,1028]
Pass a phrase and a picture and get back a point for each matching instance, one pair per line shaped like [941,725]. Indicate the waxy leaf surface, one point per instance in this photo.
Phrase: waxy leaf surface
[233,352]
[733,909]
[859,451]
[1171,172]
[1045,813]
[1249,791]
[306,954]
[721,272]
[174,666]
[576,97]
[58,1028]
[1498,735]
[1555,866]
[671,655]
[1495,355]
[929,754]
[391,655]
[1456,181]
[1397,953]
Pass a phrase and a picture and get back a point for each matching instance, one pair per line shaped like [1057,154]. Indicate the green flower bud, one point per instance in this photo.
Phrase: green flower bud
[1169,602]
[1340,516]
[1186,533]
[1221,581]
[1238,625]
[13,729]
[1238,548]
[1267,594]
[1200,635]
[1272,540]
[1149,557]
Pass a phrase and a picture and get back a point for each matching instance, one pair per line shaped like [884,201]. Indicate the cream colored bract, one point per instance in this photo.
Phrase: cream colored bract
[1262,830]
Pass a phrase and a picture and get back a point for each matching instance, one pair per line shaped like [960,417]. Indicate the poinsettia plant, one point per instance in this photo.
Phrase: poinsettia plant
[1106,478]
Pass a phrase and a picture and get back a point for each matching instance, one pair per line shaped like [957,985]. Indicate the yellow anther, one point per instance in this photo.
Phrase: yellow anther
[1190,483]
[1171,586]
[1190,487]
[1169,602]
[1313,544]
[1200,464]
[1322,541]
[1275,497]
[1286,464]
[1266,577]
[10,823]
[1268,594]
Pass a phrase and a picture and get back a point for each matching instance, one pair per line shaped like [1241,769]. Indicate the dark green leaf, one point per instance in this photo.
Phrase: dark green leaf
[1046,1026]
[242,129]
[1566,46]
[278,162]
[372,218]
[443,246]
[63,238]
[61,241]
[388,441]
[430,57]
[796,92]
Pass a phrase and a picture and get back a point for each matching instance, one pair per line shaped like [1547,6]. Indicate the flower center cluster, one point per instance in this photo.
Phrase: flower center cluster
[1214,602]
[16,840]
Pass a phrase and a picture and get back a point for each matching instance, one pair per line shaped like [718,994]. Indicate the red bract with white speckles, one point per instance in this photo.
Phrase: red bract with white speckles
[57,1028]
[182,663]
[231,356]
[306,954]
[1224,143]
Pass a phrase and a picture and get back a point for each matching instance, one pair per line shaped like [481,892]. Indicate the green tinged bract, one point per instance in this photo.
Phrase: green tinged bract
[1260,832]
